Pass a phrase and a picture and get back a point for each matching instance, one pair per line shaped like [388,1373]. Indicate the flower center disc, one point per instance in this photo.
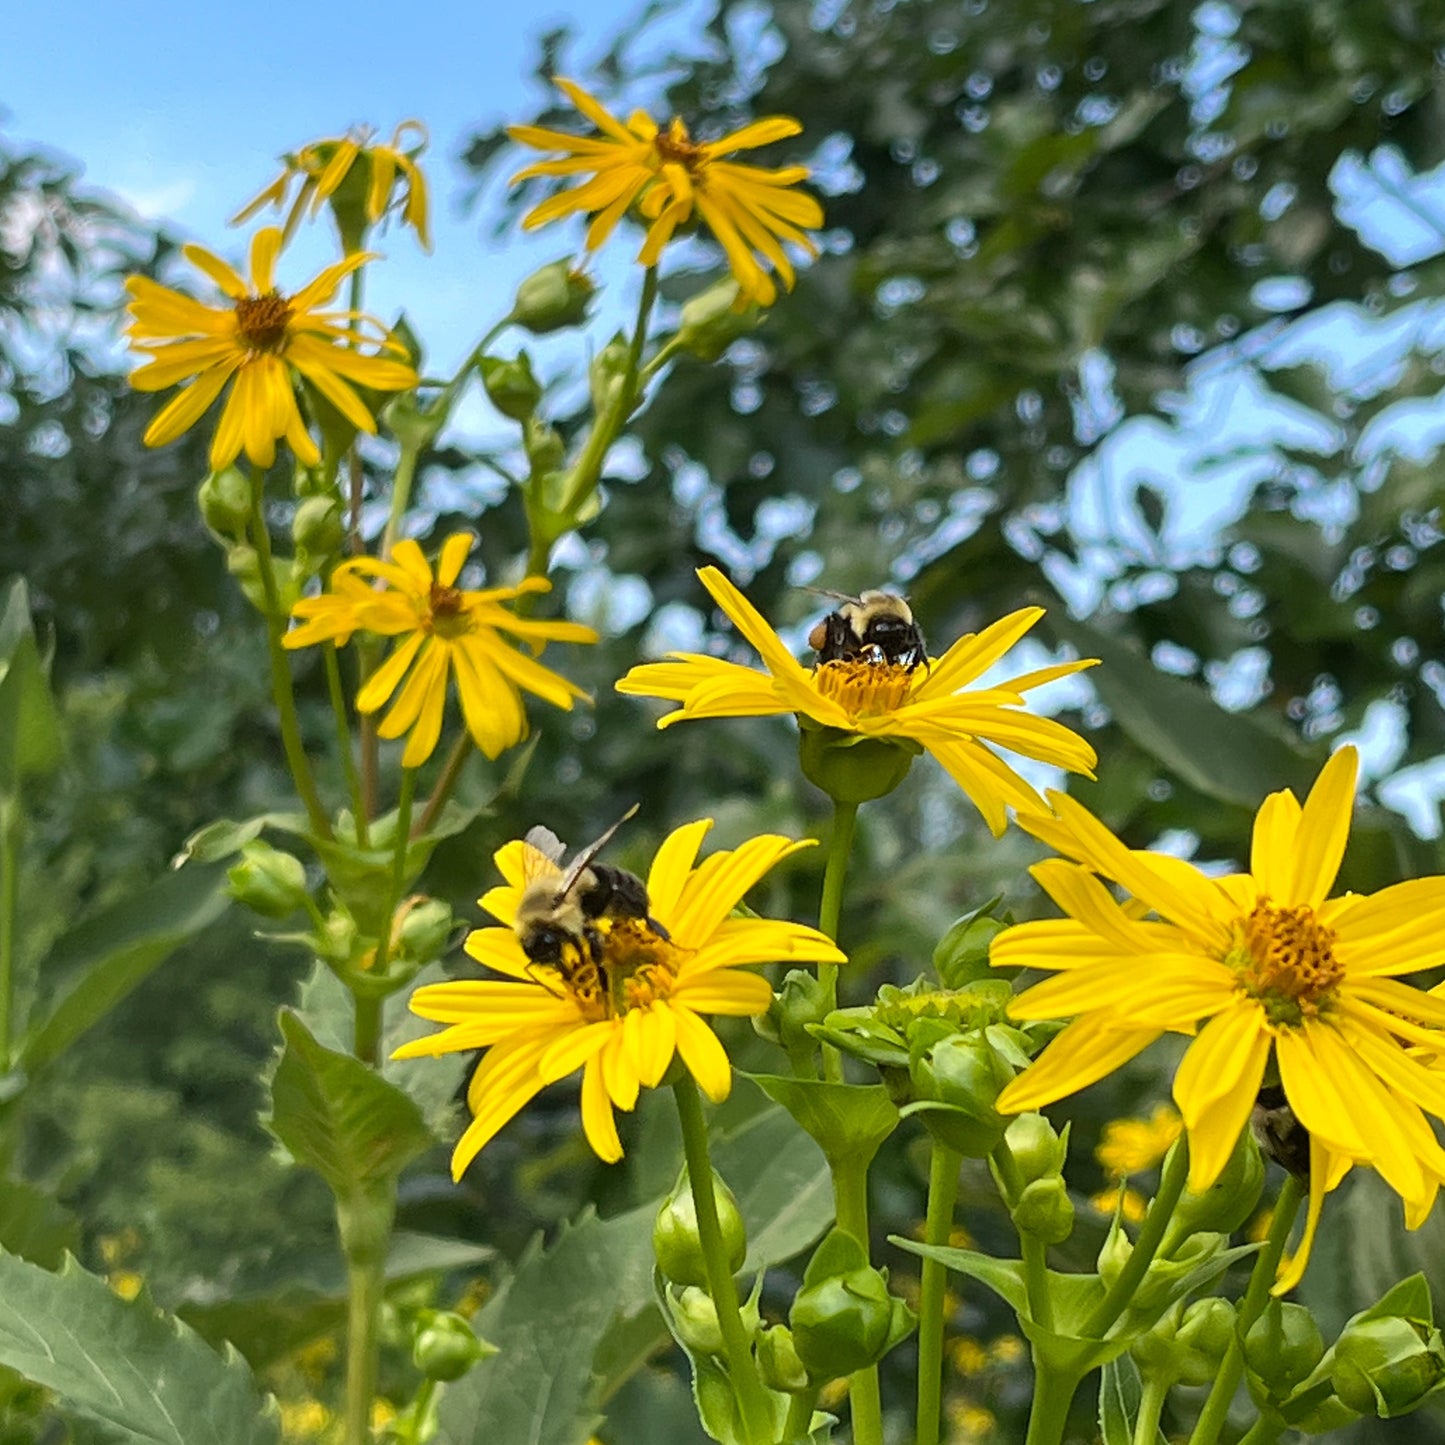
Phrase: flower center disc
[262,320]
[641,965]
[1285,958]
[863,689]
[448,611]
[674,146]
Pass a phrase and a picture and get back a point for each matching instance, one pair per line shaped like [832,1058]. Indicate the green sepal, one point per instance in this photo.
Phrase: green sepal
[849,767]
[961,956]
[848,1121]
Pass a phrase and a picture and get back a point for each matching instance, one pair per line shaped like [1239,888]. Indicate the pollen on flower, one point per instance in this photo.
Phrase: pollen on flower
[641,964]
[864,689]
[447,611]
[675,146]
[262,320]
[1285,958]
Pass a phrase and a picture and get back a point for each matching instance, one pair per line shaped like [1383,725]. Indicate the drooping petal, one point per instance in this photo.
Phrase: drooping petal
[705,1057]
[598,1122]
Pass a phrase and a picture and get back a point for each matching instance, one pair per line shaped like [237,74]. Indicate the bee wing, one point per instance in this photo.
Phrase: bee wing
[580,862]
[542,854]
[828,592]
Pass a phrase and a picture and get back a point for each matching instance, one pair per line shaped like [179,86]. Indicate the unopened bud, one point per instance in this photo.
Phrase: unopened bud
[695,1321]
[1038,1148]
[510,385]
[422,929]
[225,502]
[713,319]
[1045,1210]
[1281,1348]
[1203,1337]
[677,1243]
[268,881]
[552,297]
[606,375]
[843,1323]
[319,527]
[546,451]
[1231,1199]
[1387,1366]
[778,1361]
[961,956]
[802,999]
[957,1082]
[445,1346]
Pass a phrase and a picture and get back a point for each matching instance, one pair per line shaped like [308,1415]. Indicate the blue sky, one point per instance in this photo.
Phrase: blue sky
[182,109]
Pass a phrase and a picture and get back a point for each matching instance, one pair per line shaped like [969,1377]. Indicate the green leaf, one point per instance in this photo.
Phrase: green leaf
[226,837]
[339,1117]
[141,1374]
[1234,757]
[99,961]
[848,1121]
[1120,1392]
[30,735]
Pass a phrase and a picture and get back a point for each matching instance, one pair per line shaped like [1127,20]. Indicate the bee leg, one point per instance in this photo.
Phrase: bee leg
[658,929]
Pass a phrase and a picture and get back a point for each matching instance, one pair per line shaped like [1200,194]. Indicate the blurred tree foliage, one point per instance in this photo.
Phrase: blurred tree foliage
[1131,307]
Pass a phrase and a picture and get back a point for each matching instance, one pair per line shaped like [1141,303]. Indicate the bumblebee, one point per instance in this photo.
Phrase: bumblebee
[1280,1134]
[872,627]
[560,909]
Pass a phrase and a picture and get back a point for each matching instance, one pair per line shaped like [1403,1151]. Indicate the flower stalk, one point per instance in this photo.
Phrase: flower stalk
[850,1194]
[943,1166]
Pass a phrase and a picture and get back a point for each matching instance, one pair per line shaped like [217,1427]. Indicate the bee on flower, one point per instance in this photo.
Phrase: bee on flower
[673,180]
[621,1006]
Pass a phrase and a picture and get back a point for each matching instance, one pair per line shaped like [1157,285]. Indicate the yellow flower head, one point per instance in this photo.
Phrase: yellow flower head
[1130,1146]
[622,1019]
[1254,966]
[673,179]
[325,166]
[443,629]
[255,342]
[930,706]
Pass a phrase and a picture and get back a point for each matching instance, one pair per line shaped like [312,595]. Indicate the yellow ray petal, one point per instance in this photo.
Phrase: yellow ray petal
[705,1057]
[1324,828]
[598,1122]
[1084,1053]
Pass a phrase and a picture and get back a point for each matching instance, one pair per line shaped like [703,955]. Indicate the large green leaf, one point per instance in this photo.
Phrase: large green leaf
[1120,1392]
[99,961]
[339,1117]
[30,737]
[141,1374]
[35,1225]
[1234,757]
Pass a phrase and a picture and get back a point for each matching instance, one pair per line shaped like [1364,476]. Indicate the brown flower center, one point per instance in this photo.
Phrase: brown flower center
[262,320]
[864,689]
[448,608]
[1285,958]
[674,146]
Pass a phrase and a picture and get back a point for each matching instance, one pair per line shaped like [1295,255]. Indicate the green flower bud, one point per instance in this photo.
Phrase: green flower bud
[225,502]
[1114,1253]
[1281,1349]
[513,390]
[319,527]
[957,1082]
[801,1000]
[1162,1277]
[607,373]
[713,319]
[675,1239]
[423,929]
[270,882]
[1231,1199]
[1045,1210]
[553,297]
[850,768]
[546,451]
[1037,1147]
[243,563]
[445,1347]
[778,1361]
[695,1321]
[336,942]
[842,1324]
[1387,1367]
[1203,1336]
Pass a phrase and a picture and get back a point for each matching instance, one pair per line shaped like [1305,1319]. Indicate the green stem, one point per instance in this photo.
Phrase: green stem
[1265,1431]
[343,742]
[1031,1247]
[282,688]
[365,1224]
[753,1402]
[850,1195]
[830,910]
[456,761]
[11,819]
[1151,1409]
[800,1417]
[398,870]
[1161,1212]
[1256,1296]
[943,1168]
[401,484]
[367,1044]
[588,468]
[1049,1412]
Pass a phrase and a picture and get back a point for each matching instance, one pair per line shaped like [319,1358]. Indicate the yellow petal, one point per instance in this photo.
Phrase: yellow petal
[704,1056]
[598,1122]
[1324,829]
[1084,1053]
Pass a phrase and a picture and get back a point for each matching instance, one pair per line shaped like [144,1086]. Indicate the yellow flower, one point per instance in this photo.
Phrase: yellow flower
[673,179]
[257,340]
[929,706]
[1129,1202]
[623,1020]
[1130,1146]
[443,629]
[1259,967]
[324,166]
